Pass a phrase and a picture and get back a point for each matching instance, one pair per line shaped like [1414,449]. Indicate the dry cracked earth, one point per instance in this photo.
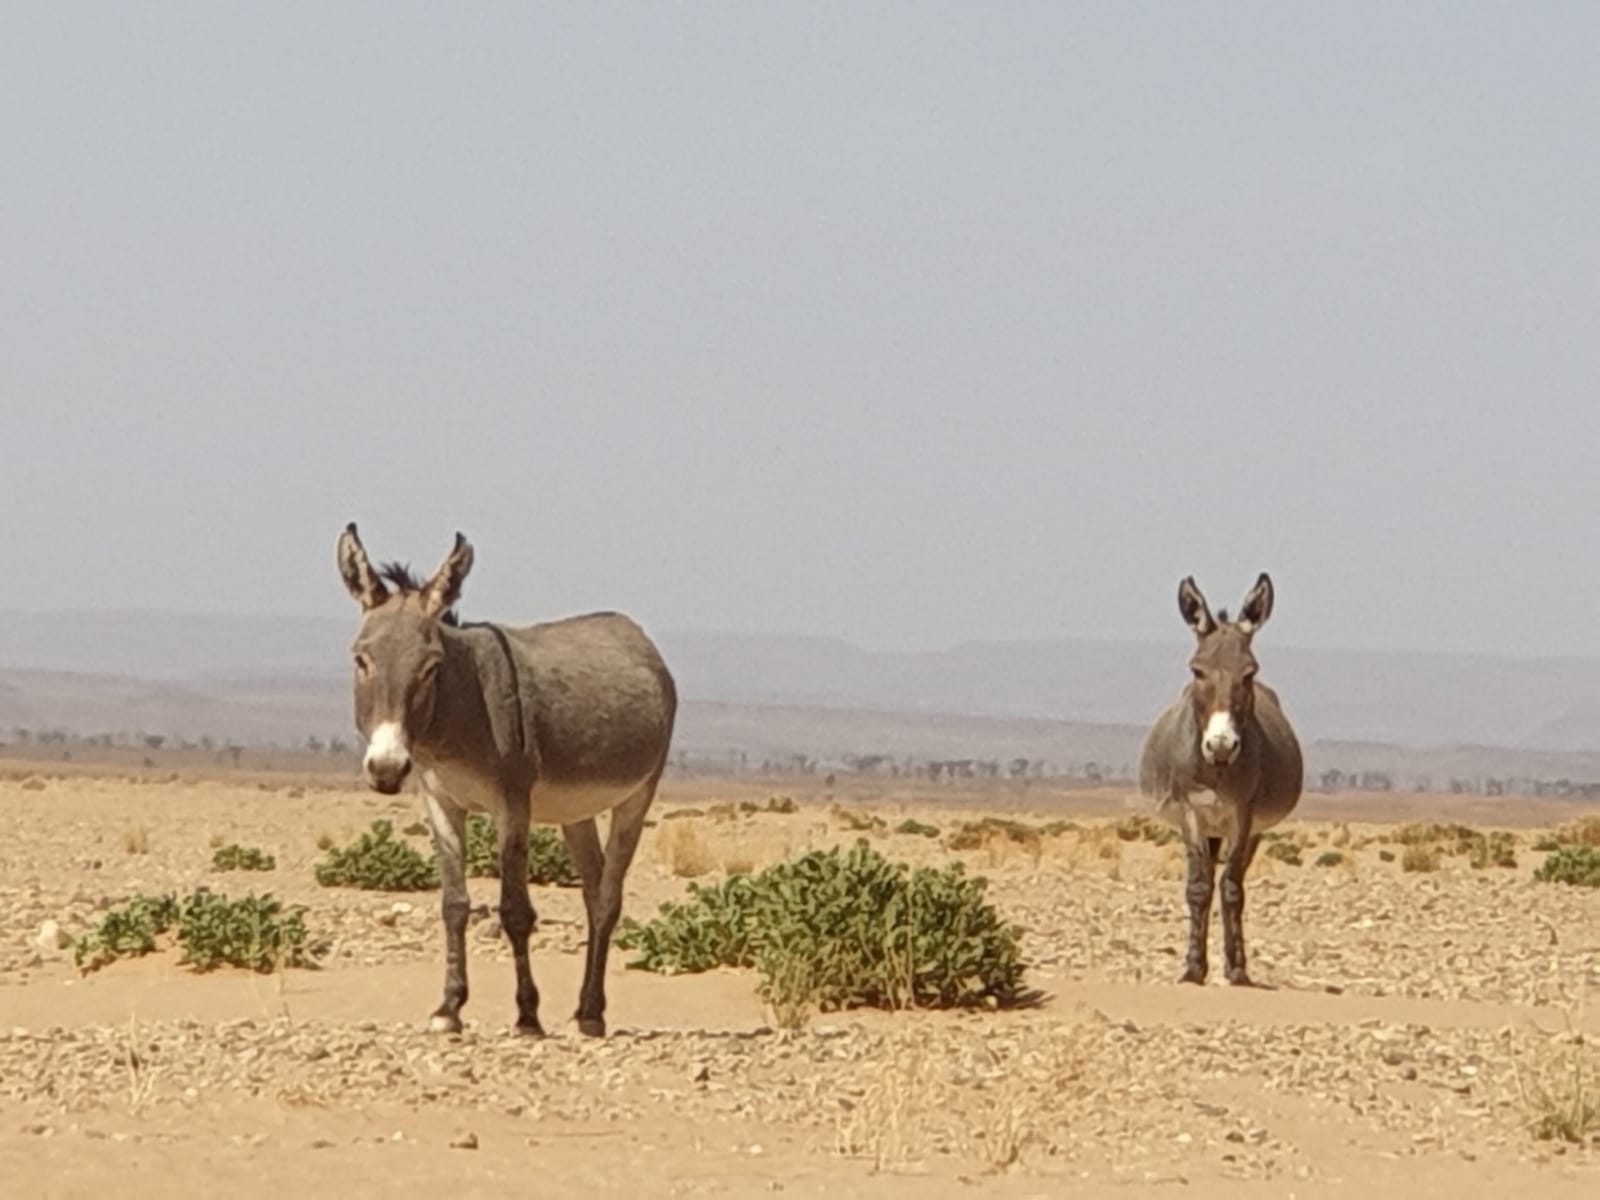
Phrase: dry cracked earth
[1413,1026]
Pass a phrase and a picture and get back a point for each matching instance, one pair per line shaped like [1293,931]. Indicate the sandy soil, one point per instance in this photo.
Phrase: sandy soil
[1406,1013]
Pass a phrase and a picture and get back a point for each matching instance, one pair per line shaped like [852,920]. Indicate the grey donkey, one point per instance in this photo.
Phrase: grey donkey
[1223,764]
[556,723]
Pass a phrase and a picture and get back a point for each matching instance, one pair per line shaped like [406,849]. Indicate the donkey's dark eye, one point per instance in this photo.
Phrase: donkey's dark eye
[363,664]
[1197,672]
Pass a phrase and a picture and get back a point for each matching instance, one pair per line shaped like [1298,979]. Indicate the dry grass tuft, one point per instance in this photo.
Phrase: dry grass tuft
[1585,831]
[684,851]
[136,840]
[1420,857]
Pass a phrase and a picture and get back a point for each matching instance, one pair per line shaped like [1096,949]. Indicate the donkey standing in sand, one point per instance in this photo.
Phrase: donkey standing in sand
[1223,764]
[555,723]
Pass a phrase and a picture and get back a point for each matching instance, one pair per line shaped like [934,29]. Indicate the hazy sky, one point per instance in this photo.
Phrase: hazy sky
[908,323]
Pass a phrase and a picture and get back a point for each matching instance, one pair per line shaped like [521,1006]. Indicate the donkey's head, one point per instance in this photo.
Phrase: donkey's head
[397,650]
[1223,690]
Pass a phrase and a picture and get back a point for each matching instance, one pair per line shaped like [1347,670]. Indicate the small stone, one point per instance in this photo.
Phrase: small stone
[322,1144]
[49,937]
[464,1141]
[703,1075]
[401,908]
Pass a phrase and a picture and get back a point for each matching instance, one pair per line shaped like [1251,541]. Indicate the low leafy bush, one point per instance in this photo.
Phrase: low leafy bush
[377,861]
[1576,865]
[1285,852]
[126,932]
[549,862]
[234,857]
[1329,858]
[256,932]
[842,930]
[1141,828]
[917,828]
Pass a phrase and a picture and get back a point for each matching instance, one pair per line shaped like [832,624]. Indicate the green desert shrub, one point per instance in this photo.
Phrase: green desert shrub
[257,933]
[1329,858]
[842,929]
[377,861]
[1285,852]
[548,859]
[1576,865]
[917,828]
[234,857]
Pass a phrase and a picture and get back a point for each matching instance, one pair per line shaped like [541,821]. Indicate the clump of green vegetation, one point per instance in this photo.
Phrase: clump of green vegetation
[1329,858]
[126,932]
[549,861]
[1284,851]
[1142,828]
[974,835]
[917,828]
[1575,865]
[234,857]
[1420,857]
[377,861]
[1385,855]
[836,929]
[858,822]
[775,804]
[256,932]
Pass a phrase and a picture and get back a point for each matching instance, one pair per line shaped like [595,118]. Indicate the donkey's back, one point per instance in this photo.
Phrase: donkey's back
[600,701]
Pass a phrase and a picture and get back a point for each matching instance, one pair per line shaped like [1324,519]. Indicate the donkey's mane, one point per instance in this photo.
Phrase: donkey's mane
[406,582]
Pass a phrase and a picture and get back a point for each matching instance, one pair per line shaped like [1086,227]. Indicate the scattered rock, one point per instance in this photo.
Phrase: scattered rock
[464,1141]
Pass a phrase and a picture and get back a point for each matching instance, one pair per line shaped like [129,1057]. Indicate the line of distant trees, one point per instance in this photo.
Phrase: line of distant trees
[61,744]
[158,747]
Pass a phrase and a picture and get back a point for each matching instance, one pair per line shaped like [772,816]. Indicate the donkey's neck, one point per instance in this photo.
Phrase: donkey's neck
[478,712]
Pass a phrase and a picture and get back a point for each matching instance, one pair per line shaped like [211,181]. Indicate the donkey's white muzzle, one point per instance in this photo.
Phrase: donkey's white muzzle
[1220,741]
[388,759]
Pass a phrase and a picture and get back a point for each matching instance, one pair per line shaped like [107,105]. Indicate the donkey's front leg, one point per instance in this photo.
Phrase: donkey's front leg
[1240,855]
[516,911]
[449,825]
[1198,891]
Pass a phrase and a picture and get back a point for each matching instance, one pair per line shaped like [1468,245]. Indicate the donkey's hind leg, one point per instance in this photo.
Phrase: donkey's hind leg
[603,898]
[449,825]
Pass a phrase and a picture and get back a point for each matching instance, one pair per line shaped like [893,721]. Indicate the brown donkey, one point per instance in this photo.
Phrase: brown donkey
[1223,764]
[554,723]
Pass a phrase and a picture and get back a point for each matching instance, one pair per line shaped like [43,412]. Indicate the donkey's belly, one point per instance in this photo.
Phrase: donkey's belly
[561,803]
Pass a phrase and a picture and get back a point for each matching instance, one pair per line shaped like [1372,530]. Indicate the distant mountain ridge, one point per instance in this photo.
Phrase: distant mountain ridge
[273,678]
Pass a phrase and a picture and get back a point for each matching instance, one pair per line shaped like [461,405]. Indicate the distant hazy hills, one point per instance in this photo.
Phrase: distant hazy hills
[262,678]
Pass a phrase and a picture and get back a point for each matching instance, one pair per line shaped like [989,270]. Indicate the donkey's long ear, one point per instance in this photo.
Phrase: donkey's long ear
[1196,612]
[443,589]
[363,582]
[1257,605]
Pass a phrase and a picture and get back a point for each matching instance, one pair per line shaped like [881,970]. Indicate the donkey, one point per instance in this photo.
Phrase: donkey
[556,723]
[1223,764]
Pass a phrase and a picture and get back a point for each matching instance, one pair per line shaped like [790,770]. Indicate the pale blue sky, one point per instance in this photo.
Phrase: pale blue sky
[908,323]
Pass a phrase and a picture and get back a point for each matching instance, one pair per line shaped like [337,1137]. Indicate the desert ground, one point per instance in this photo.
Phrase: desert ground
[1412,1024]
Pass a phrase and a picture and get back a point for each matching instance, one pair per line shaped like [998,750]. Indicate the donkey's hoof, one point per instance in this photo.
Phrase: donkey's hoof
[444,1023]
[1193,975]
[1238,977]
[529,1028]
[592,1026]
